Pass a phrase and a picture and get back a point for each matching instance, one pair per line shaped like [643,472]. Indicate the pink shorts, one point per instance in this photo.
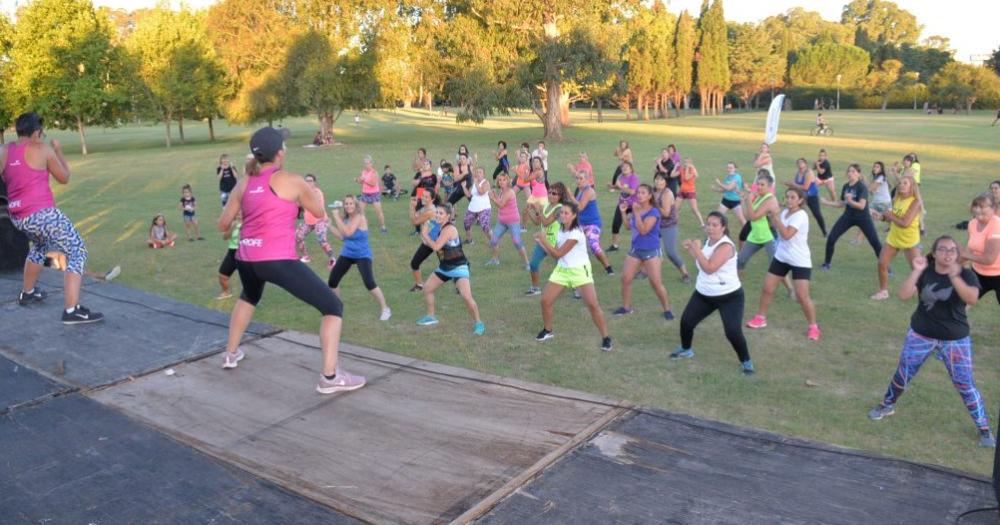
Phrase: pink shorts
[689,195]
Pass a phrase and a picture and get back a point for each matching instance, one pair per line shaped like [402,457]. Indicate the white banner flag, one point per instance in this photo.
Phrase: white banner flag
[773,114]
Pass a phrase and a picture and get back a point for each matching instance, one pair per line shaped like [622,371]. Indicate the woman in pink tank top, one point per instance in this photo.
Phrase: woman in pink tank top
[269,200]
[508,220]
[371,192]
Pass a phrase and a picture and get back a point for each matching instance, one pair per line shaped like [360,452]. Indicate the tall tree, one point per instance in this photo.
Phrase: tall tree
[6,107]
[67,68]
[884,80]
[756,61]
[994,61]
[965,84]
[639,68]
[880,26]
[820,64]
[713,58]
[661,33]
[685,40]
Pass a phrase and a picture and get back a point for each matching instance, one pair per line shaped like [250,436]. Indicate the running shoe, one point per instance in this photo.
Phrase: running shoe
[881,411]
[232,360]
[527,267]
[576,295]
[686,279]
[223,296]
[609,271]
[814,333]
[758,321]
[748,367]
[201,238]
[533,291]
[825,267]
[641,275]
[612,248]
[606,345]
[668,315]
[468,241]
[882,295]
[36,295]
[479,328]
[383,230]
[544,335]
[306,259]
[417,288]
[986,438]
[81,315]
[112,274]
[682,353]
[427,320]
[386,314]
[342,382]
[331,263]
[622,311]
[492,262]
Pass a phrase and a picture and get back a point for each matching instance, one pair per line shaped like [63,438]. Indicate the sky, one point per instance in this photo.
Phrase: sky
[970,24]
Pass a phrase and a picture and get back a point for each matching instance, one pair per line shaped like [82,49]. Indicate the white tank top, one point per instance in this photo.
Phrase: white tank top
[725,279]
[479,201]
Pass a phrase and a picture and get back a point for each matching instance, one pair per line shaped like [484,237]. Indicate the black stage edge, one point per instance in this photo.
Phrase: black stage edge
[141,333]
[656,467]
[71,460]
[20,385]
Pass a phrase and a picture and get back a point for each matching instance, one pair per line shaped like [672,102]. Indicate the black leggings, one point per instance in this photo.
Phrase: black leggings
[987,283]
[618,173]
[618,221]
[292,275]
[344,263]
[496,172]
[813,202]
[730,307]
[421,255]
[845,223]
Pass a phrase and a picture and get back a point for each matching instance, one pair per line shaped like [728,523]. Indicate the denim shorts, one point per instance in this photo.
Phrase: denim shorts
[644,255]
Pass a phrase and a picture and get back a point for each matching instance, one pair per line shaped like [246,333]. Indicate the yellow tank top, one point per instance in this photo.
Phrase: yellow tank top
[900,237]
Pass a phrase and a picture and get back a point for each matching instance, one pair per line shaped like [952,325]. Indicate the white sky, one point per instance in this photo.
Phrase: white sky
[970,24]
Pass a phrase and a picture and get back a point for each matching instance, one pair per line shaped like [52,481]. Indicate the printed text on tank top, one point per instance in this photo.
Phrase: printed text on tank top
[28,188]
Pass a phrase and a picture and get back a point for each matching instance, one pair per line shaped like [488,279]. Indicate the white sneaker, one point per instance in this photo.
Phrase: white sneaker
[232,360]
[112,274]
[386,314]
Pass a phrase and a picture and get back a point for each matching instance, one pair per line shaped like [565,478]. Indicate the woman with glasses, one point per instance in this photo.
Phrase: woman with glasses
[548,221]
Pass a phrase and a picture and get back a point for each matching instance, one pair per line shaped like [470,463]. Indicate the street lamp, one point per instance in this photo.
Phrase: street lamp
[838,90]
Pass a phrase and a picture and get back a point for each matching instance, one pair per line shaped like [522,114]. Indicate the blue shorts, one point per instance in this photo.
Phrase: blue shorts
[189,216]
[644,255]
[458,272]
[50,230]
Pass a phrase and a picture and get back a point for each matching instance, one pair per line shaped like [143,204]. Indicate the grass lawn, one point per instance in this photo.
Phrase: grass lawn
[817,390]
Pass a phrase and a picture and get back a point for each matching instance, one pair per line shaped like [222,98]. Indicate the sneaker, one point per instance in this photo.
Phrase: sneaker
[468,241]
[342,382]
[986,438]
[201,238]
[112,274]
[232,360]
[825,267]
[306,259]
[533,291]
[682,353]
[427,320]
[814,334]
[223,296]
[748,367]
[479,328]
[331,263]
[612,248]
[890,273]
[622,311]
[383,230]
[881,411]
[81,315]
[668,315]
[609,271]
[544,335]
[882,295]
[492,262]
[686,279]
[527,267]
[758,321]
[606,345]
[386,314]
[576,295]
[417,288]
[641,275]
[36,295]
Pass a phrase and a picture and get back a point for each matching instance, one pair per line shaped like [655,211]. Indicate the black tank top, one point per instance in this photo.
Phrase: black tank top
[451,254]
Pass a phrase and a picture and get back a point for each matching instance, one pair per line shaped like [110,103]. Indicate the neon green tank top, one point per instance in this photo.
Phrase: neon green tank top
[760,230]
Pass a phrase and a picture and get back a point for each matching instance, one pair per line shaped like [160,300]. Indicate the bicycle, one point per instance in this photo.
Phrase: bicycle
[825,131]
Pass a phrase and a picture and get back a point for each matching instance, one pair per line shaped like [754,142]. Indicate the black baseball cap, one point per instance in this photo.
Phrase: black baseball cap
[266,143]
[27,123]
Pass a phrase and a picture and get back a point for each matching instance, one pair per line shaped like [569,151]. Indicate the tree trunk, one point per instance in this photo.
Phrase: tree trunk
[600,110]
[704,101]
[180,127]
[885,101]
[3,139]
[429,101]
[168,120]
[626,104]
[83,138]
[211,130]
[564,109]
[553,118]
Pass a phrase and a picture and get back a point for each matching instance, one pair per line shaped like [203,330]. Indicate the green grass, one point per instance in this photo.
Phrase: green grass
[129,177]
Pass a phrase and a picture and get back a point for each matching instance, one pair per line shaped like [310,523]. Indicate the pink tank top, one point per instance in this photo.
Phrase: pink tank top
[509,213]
[369,175]
[268,232]
[28,189]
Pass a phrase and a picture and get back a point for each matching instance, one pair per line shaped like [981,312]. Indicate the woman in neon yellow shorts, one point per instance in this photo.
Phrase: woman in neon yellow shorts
[904,231]
[572,271]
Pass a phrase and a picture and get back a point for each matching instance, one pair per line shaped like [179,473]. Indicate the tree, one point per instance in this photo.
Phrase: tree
[798,29]
[6,39]
[959,83]
[755,60]
[884,80]
[67,69]
[639,69]
[713,58]
[925,60]
[661,33]
[819,65]
[994,61]
[880,26]
[685,39]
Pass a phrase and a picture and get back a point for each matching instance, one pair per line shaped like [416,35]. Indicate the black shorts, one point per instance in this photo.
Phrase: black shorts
[228,265]
[730,204]
[781,269]
[824,176]
[292,275]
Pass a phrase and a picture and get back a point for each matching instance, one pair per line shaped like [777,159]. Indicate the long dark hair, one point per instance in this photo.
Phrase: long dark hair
[881,169]
[576,217]
[563,191]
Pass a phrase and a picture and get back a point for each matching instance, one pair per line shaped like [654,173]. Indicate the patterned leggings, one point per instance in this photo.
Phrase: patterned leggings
[593,234]
[50,230]
[957,358]
[320,230]
[480,217]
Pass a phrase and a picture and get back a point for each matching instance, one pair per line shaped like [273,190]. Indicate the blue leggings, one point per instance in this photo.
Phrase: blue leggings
[501,228]
[537,257]
[50,230]
[957,358]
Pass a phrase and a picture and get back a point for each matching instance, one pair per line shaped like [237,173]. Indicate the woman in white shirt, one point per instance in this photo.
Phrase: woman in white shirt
[572,271]
[716,288]
[792,256]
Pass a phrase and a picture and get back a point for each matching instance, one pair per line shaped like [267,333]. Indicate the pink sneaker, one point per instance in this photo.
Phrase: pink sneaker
[814,333]
[333,261]
[343,382]
[758,321]
[232,360]
[306,259]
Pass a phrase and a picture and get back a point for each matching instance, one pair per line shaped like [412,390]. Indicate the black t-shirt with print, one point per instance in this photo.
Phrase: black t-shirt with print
[940,313]
[824,170]
[858,191]
[227,180]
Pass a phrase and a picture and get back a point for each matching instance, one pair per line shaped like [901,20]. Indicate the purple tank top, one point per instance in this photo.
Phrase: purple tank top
[268,232]
[28,189]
